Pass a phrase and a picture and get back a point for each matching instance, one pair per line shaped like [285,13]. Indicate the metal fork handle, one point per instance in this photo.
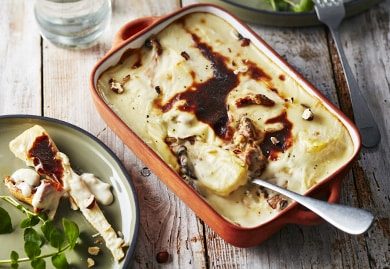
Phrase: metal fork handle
[363,116]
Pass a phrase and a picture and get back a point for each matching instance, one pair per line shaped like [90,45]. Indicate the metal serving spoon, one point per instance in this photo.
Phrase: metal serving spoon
[348,219]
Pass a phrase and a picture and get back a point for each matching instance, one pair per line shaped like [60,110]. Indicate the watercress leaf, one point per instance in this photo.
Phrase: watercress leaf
[59,261]
[46,229]
[25,223]
[29,222]
[14,255]
[14,259]
[5,222]
[34,220]
[71,231]
[30,235]
[43,215]
[32,249]
[57,237]
[38,264]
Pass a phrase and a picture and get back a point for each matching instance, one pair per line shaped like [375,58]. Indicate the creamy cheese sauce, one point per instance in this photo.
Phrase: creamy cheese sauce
[100,189]
[25,180]
[197,79]
[46,198]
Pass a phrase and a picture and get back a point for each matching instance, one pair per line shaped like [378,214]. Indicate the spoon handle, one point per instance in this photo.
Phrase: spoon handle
[348,219]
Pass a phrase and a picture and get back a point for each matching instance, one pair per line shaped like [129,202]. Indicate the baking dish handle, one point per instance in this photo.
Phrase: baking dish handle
[300,215]
[131,28]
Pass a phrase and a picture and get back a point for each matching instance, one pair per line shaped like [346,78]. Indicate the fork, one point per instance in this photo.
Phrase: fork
[331,13]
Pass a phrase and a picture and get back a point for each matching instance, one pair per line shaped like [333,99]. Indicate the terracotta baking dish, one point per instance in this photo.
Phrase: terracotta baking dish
[133,35]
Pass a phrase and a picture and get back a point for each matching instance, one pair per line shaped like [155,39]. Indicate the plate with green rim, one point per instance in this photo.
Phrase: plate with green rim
[258,11]
[86,154]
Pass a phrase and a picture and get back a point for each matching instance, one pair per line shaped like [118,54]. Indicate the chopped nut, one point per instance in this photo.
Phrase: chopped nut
[276,200]
[93,250]
[307,114]
[162,257]
[185,55]
[240,69]
[258,99]
[126,79]
[90,262]
[116,86]
[274,140]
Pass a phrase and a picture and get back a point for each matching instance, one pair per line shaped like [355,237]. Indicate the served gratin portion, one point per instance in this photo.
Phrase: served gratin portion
[221,113]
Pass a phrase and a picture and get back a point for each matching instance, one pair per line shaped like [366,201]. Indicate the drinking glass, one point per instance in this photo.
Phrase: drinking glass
[72,23]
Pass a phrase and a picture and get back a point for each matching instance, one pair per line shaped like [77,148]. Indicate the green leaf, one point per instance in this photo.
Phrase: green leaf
[5,222]
[59,261]
[30,235]
[32,249]
[57,238]
[303,5]
[43,215]
[47,228]
[71,231]
[29,222]
[14,259]
[38,264]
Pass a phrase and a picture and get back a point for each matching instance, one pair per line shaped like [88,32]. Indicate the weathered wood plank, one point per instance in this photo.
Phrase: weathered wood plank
[20,59]
[166,223]
[368,51]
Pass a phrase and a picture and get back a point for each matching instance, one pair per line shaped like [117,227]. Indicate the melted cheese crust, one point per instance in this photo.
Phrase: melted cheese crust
[319,147]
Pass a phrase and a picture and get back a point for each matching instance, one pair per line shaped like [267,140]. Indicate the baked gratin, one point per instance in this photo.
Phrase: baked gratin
[221,113]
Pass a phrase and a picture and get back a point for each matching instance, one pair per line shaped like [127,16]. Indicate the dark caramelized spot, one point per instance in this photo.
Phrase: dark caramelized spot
[258,99]
[44,154]
[284,137]
[207,100]
[138,62]
[256,72]
[185,55]
[153,42]
[158,47]
[244,41]
[274,90]
[126,55]
[192,73]
[158,89]
[282,77]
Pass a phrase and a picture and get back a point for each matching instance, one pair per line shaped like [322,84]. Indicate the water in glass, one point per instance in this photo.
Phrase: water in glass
[72,23]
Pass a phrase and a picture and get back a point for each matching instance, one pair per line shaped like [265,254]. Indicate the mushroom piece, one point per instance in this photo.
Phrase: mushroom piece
[246,141]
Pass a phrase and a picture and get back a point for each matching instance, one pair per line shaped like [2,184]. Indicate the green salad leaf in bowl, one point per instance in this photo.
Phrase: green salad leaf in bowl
[290,5]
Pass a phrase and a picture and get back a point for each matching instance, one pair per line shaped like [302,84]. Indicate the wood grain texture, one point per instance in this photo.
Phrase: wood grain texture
[20,78]
[367,48]
[166,223]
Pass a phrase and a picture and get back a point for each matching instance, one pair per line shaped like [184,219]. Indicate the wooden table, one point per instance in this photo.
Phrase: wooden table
[39,78]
